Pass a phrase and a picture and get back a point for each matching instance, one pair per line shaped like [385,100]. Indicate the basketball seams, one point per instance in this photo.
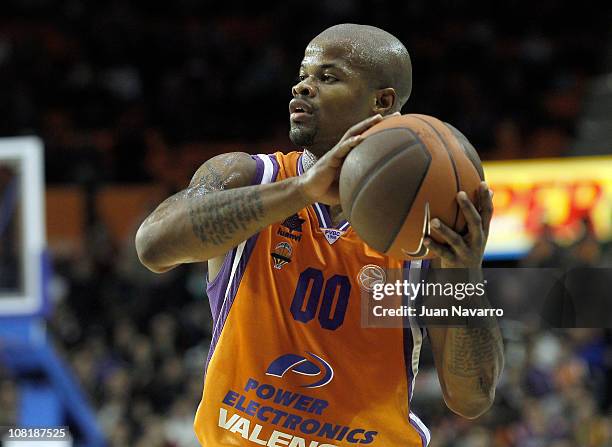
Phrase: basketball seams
[452,160]
[468,149]
[389,158]
[382,162]
[418,188]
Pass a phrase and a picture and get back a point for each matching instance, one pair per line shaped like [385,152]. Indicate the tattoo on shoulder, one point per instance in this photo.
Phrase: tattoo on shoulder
[213,179]
[217,219]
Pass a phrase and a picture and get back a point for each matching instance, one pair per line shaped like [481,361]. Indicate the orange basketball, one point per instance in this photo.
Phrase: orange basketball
[407,171]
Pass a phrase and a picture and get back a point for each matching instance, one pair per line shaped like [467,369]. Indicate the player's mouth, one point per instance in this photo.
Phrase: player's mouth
[300,110]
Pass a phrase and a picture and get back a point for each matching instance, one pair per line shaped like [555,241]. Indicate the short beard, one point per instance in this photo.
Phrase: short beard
[302,137]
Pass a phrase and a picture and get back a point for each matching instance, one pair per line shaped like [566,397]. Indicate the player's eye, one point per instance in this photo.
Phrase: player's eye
[328,78]
[300,78]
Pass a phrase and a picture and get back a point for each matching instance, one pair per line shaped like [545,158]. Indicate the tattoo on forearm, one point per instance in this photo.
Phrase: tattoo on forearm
[218,219]
[471,349]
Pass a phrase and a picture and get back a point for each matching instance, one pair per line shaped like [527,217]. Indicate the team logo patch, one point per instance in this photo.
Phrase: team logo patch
[281,255]
[298,364]
[370,275]
[332,235]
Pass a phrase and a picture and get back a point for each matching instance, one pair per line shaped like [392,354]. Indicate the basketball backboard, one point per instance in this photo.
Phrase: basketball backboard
[22,226]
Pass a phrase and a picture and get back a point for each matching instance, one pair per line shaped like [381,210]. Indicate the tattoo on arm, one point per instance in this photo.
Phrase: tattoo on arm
[218,219]
[212,179]
[471,349]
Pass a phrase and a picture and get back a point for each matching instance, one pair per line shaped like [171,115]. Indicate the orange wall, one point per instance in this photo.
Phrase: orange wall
[121,208]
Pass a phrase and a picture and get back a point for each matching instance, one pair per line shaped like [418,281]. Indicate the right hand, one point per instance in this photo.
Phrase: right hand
[320,182]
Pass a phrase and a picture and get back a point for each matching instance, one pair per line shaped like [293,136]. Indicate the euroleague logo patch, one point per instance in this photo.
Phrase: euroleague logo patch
[370,275]
[298,364]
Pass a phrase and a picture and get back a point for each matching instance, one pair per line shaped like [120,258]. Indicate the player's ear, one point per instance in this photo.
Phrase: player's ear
[385,101]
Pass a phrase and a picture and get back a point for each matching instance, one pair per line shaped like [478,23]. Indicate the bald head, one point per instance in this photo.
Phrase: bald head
[376,52]
[348,73]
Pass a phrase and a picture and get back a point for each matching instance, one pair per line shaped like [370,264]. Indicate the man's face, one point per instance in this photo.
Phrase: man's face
[331,95]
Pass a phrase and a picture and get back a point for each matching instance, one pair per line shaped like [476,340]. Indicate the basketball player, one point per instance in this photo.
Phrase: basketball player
[289,363]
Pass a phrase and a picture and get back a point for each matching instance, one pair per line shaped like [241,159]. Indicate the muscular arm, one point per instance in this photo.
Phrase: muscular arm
[218,210]
[468,357]
[469,361]
[214,214]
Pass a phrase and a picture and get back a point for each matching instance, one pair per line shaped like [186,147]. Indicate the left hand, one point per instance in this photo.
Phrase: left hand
[464,251]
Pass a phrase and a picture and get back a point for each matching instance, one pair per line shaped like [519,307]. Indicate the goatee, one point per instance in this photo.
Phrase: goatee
[302,137]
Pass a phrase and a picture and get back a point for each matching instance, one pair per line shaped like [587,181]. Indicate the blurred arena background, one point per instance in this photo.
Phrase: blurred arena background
[128,98]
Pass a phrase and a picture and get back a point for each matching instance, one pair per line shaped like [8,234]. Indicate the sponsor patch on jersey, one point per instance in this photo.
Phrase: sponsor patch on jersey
[281,255]
[298,364]
[332,235]
[292,225]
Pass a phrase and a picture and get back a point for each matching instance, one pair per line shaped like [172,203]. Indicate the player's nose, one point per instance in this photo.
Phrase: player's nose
[303,89]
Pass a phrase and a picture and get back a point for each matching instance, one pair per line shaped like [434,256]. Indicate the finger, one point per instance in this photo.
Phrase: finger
[472,218]
[486,207]
[336,156]
[440,250]
[394,114]
[362,126]
[345,147]
[450,236]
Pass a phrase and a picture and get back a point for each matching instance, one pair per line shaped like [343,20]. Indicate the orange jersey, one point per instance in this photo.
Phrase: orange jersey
[290,363]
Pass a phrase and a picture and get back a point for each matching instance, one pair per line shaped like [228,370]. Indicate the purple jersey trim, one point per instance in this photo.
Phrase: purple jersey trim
[220,298]
[324,221]
[299,168]
[328,220]
[259,171]
[223,312]
[407,333]
[418,429]
[215,289]
[408,348]
[275,167]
